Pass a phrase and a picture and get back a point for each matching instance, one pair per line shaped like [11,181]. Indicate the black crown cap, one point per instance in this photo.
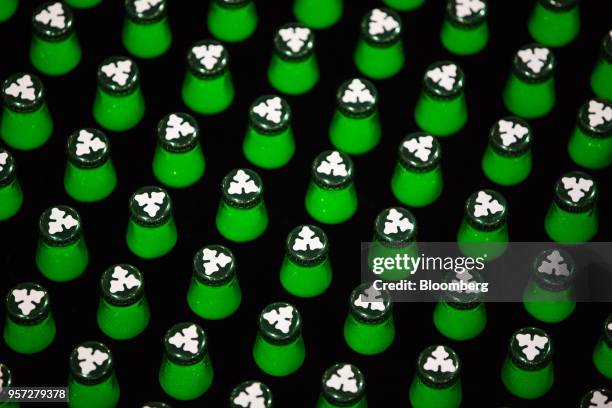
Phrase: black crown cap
[280,323]
[554,270]
[208,59]
[534,63]
[91,363]
[150,206]
[307,245]
[444,80]
[530,348]
[214,265]
[118,76]
[185,343]
[419,152]
[510,137]
[332,170]
[178,132]
[576,192]
[595,118]
[60,225]
[343,385]
[486,210]
[270,115]
[466,15]
[294,42]
[23,92]
[8,172]
[122,285]
[438,366]
[28,303]
[53,21]
[88,148]
[245,391]
[381,27]
[145,12]
[369,305]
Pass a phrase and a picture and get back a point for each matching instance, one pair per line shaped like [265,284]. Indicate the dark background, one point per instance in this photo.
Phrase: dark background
[388,375]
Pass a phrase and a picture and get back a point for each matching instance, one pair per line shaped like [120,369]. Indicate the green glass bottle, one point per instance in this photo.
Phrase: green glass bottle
[331,197]
[590,144]
[602,354]
[279,347]
[293,69]
[26,123]
[484,230]
[507,158]
[186,370]
[11,195]
[178,160]
[528,371]
[232,20]
[465,30]
[29,326]
[601,78]
[318,14]
[123,311]
[119,104]
[596,398]
[572,216]
[549,295]
[242,214]
[530,90]
[92,382]
[441,109]
[61,253]
[269,141]
[83,4]
[554,23]
[251,394]
[395,231]
[6,381]
[343,385]
[146,31]
[151,231]
[208,87]
[214,292]
[461,314]
[7,9]
[380,49]
[355,127]
[55,49]
[89,175]
[369,328]
[417,178]
[306,270]
[437,383]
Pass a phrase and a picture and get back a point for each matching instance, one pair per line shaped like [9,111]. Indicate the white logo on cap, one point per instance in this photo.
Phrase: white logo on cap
[531,344]
[294,37]
[576,187]
[271,109]
[599,113]
[119,71]
[280,318]
[466,277]
[397,222]
[177,127]
[186,339]
[150,202]
[3,158]
[534,58]
[333,165]
[439,360]
[420,146]
[251,397]
[27,300]
[60,221]
[381,22]
[554,264]
[214,260]
[87,143]
[90,359]
[23,88]
[343,380]
[370,298]
[444,76]
[357,92]
[307,240]
[122,280]
[486,204]
[2,368]
[52,16]
[208,54]
[511,132]
[242,184]
[465,8]
[600,400]
[145,5]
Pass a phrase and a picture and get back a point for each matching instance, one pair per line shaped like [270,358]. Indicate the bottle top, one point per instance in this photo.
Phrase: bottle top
[608,331]
[596,398]
[28,303]
[369,305]
[534,63]
[88,148]
[559,5]
[178,132]
[242,188]
[464,299]
[23,92]
[53,21]
[530,348]
[343,385]
[8,172]
[466,14]
[270,115]
[156,405]
[145,12]
[443,80]
[7,378]
[510,137]
[185,343]
[606,47]
[419,152]
[150,206]
[118,76]
[486,210]
[595,118]
[251,394]
[232,3]
[576,192]
[208,59]
[214,265]
[60,225]
[280,323]
[91,362]
[395,225]
[357,98]
[381,27]
[294,41]
[307,245]
[438,366]
[122,285]
[332,170]
[554,270]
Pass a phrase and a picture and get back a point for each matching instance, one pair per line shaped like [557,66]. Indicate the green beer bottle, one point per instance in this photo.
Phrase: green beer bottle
[293,69]
[380,49]
[602,355]
[92,382]
[355,126]
[507,158]
[123,311]
[55,49]
[590,144]
[318,14]
[527,371]
[11,196]
[146,31]
[530,90]
[395,231]
[484,230]
[242,214]
[369,328]
[29,326]
[343,385]
[26,123]
[90,175]
[404,5]
[554,22]
[151,231]
[601,81]
[7,9]
[596,398]
[417,178]
[461,314]
[306,270]
[232,20]
[549,295]
[83,4]
[279,347]
[208,87]
[253,394]
[465,30]
[269,141]
[178,160]
[437,383]
[6,381]
[119,104]
[214,292]
[331,197]
[572,216]
[61,253]
[186,371]
[441,109]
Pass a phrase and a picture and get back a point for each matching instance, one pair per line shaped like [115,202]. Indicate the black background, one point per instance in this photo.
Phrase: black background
[388,375]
